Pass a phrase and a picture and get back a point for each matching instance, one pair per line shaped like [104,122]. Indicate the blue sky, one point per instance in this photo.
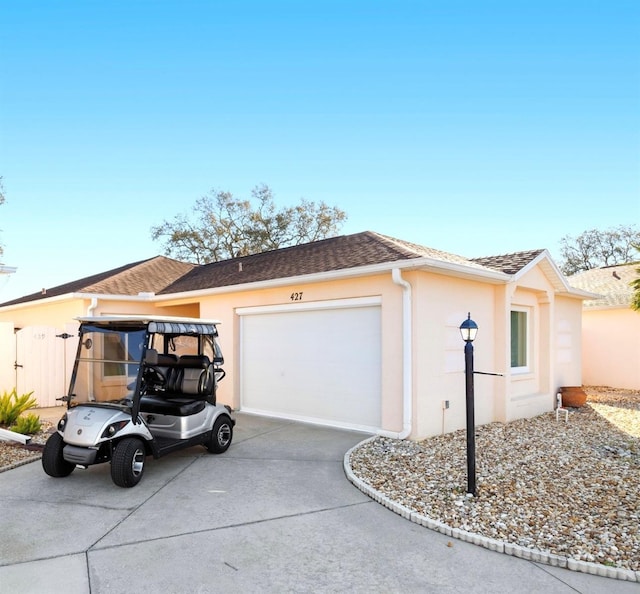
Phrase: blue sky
[478,128]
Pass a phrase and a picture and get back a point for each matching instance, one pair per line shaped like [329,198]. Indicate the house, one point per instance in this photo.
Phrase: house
[37,331]
[358,331]
[610,328]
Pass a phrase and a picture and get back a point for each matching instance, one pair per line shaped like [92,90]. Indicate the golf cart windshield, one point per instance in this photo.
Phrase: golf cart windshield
[112,357]
[108,365]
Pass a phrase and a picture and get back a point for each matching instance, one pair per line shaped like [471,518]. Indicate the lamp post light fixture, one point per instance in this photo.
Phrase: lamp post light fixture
[468,330]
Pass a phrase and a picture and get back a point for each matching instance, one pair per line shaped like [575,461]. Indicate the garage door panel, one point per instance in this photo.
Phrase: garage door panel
[321,365]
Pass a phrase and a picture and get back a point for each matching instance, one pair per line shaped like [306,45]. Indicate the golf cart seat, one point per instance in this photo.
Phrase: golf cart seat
[190,384]
[193,375]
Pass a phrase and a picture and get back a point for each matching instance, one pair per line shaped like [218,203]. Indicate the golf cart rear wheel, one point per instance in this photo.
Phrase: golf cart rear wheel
[127,462]
[53,461]
[221,435]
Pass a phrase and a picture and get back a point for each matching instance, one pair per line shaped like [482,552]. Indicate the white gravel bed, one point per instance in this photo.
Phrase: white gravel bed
[13,454]
[567,489]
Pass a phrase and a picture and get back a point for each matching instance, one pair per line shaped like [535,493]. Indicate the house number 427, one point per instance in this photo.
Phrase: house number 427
[296,296]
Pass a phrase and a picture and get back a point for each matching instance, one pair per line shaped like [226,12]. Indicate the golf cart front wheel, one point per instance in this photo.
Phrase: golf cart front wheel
[53,461]
[221,435]
[127,462]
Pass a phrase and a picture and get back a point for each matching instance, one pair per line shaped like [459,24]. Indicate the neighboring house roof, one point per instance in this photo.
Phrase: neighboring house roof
[610,282]
[336,253]
[150,275]
[347,253]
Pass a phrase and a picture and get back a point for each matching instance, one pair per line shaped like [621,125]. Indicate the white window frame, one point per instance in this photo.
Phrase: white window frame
[526,368]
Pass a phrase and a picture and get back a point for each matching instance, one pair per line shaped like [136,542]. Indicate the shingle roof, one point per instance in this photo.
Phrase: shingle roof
[336,253]
[165,276]
[509,263]
[150,275]
[612,282]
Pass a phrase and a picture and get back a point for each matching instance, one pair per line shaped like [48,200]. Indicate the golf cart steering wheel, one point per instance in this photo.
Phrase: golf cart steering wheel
[154,376]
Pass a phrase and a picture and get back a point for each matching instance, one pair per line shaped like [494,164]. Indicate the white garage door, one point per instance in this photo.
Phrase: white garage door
[315,362]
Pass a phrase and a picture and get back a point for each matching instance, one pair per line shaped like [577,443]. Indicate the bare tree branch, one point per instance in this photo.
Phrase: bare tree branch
[222,227]
[595,248]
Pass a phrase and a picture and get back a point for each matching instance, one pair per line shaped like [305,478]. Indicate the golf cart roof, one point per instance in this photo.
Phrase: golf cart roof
[160,324]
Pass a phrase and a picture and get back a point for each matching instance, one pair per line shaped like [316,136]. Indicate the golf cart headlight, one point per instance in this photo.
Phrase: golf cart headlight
[62,423]
[112,429]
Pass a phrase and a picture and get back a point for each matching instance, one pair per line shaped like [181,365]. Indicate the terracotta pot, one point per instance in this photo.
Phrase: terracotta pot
[573,396]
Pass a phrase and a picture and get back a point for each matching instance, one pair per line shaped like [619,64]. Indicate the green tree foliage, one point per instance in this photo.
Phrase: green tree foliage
[595,248]
[221,226]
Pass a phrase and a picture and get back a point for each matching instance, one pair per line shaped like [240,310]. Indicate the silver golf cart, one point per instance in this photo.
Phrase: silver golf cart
[140,386]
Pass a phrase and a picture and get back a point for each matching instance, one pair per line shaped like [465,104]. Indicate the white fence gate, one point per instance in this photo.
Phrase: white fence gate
[44,362]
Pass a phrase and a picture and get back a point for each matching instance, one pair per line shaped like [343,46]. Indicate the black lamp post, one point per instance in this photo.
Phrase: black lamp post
[469,329]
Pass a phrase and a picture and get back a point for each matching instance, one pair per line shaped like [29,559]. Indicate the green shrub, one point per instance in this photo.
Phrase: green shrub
[27,424]
[12,406]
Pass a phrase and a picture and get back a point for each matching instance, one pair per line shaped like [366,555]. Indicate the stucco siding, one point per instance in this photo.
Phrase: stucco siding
[106,307]
[530,390]
[54,313]
[611,348]
[442,304]
[569,331]
[57,313]
[224,307]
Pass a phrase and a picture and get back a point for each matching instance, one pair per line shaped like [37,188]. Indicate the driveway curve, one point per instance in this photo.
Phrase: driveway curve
[275,513]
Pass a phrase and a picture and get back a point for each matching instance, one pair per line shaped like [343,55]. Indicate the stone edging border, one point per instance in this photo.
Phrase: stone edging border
[499,546]
[21,463]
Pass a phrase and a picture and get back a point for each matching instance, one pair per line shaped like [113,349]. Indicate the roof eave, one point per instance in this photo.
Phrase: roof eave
[145,318]
[457,270]
[580,294]
[556,278]
[45,300]
[606,306]
[79,295]
[428,264]
[476,272]
[544,260]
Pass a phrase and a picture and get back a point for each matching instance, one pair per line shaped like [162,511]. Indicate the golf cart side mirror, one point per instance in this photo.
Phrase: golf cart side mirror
[151,357]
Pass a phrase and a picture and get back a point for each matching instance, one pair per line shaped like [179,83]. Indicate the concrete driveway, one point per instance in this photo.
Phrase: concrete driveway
[275,513]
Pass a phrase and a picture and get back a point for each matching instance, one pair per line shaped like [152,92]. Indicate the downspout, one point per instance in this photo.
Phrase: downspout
[92,306]
[407,367]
